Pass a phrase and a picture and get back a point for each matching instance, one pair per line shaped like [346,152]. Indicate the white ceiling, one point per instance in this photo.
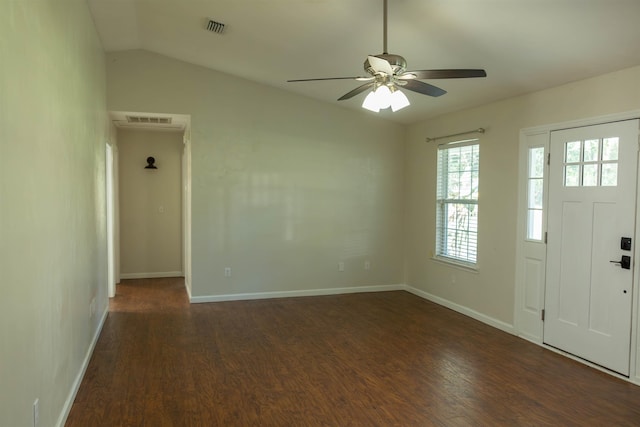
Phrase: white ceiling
[524,45]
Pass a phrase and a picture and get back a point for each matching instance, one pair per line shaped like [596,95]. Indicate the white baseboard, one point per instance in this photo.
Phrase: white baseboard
[463,310]
[288,294]
[358,289]
[151,275]
[62,419]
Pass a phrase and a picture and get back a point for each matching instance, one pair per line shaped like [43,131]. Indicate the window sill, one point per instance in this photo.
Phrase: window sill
[461,265]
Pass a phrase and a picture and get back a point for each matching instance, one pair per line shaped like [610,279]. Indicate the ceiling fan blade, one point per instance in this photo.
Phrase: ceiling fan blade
[423,88]
[356,91]
[326,78]
[380,65]
[443,74]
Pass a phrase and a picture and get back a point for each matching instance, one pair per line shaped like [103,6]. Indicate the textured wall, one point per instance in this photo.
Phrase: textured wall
[284,187]
[53,129]
[150,203]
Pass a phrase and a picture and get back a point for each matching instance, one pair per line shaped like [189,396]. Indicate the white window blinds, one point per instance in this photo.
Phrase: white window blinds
[457,201]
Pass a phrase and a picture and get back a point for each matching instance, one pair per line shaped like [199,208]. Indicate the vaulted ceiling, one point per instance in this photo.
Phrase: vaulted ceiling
[524,45]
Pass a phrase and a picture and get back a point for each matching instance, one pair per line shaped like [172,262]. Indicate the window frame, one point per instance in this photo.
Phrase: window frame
[531,206]
[582,163]
[442,231]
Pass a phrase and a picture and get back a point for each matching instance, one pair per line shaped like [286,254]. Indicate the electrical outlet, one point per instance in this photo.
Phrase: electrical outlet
[341,266]
[36,412]
[367,265]
[227,272]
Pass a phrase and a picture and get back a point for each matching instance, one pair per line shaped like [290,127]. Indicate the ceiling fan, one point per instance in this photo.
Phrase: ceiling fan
[388,73]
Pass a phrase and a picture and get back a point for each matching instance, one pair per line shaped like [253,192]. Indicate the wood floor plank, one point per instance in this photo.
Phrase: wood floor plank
[374,359]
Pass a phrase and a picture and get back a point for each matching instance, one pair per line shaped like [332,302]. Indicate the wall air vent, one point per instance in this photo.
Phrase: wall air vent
[215,27]
[150,120]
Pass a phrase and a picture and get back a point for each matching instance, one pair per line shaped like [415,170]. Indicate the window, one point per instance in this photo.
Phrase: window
[591,163]
[535,193]
[457,201]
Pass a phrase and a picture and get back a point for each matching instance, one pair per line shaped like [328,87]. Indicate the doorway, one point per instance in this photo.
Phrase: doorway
[157,124]
[590,248]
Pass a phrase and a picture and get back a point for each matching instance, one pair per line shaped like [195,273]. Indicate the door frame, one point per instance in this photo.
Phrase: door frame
[111,154]
[186,208]
[529,294]
[113,201]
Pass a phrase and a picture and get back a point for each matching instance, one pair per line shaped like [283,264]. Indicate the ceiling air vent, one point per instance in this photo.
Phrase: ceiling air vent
[215,27]
[151,120]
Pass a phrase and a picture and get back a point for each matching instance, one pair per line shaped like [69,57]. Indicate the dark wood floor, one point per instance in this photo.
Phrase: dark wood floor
[376,359]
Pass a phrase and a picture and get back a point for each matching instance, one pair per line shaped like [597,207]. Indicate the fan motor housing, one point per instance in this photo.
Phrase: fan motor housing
[398,63]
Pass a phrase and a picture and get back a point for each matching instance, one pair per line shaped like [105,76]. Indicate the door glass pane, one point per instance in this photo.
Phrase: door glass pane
[572,176]
[536,162]
[534,224]
[610,149]
[535,193]
[572,152]
[591,150]
[610,174]
[590,176]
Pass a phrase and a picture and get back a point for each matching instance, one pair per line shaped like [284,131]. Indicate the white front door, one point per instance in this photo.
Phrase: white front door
[592,200]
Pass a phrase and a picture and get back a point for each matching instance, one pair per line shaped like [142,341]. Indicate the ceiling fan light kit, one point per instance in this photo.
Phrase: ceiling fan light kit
[398,100]
[384,97]
[387,74]
[371,103]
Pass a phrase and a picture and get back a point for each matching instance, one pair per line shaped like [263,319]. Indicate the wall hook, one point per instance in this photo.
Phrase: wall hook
[150,163]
